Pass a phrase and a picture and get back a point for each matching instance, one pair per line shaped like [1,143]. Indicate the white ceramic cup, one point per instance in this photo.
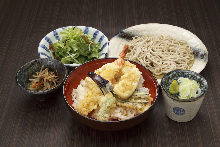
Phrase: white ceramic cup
[182,110]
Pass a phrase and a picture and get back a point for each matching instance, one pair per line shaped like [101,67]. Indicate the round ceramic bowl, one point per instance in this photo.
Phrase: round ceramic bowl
[182,110]
[26,71]
[155,29]
[73,80]
[54,36]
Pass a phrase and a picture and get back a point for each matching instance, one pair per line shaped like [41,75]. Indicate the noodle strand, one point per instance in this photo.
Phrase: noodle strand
[161,54]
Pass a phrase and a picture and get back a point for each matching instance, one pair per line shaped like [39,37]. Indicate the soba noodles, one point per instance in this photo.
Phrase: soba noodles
[160,54]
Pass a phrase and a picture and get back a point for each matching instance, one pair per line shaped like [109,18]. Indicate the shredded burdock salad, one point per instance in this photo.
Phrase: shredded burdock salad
[43,80]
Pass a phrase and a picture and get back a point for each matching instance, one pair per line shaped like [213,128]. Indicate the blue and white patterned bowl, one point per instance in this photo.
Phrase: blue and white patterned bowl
[54,36]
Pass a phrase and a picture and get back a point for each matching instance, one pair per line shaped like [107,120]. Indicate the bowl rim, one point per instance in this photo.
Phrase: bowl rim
[40,92]
[99,121]
[74,64]
[183,100]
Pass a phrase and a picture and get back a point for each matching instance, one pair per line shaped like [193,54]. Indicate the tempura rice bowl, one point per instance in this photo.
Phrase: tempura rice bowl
[73,80]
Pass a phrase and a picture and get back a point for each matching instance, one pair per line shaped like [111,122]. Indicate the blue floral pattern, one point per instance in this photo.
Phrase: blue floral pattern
[54,36]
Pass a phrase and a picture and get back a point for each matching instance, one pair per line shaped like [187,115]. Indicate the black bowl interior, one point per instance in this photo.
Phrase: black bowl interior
[30,68]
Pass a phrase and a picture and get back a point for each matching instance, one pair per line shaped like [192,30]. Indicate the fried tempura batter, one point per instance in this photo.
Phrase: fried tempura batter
[124,78]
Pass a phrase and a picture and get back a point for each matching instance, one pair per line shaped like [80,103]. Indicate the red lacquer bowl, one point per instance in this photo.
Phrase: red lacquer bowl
[73,80]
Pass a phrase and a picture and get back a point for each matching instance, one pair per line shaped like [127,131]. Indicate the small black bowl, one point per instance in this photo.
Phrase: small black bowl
[26,71]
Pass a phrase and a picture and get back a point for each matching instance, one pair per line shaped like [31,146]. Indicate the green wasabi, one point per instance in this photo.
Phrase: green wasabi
[174,87]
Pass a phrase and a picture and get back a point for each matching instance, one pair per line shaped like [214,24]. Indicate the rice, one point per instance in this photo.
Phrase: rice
[120,112]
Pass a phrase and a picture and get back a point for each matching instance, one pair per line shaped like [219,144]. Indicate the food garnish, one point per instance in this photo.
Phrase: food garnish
[75,47]
[185,88]
[174,87]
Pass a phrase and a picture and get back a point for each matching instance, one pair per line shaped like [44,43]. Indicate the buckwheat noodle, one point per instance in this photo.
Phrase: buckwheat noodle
[161,54]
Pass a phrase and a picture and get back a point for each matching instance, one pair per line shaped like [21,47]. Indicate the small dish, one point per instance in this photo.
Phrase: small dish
[182,110]
[54,36]
[73,80]
[26,71]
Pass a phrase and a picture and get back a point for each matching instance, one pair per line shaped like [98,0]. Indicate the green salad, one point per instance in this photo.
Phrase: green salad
[75,47]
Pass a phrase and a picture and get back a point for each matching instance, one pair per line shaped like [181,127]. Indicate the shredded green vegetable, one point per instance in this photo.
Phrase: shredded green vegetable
[188,88]
[75,47]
